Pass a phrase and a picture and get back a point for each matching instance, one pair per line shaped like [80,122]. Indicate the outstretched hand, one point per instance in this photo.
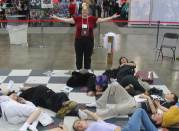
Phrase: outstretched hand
[63,127]
[144,96]
[157,103]
[115,16]
[53,16]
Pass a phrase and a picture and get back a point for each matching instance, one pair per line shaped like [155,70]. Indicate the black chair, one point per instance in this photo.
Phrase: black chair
[167,45]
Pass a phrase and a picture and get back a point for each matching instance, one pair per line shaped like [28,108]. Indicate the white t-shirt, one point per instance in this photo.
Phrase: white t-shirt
[15,112]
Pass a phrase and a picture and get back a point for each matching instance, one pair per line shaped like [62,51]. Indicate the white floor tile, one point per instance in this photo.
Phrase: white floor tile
[20,73]
[60,88]
[98,72]
[37,80]
[61,73]
[81,98]
[2,78]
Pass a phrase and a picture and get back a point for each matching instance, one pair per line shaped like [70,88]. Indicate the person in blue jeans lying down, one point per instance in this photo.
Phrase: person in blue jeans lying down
[138,119]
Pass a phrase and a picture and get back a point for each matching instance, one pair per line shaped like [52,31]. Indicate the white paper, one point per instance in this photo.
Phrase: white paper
[139,99]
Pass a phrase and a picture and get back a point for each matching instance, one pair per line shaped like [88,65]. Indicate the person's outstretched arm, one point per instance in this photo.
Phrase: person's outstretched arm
[157,103]
[65,20]
[93,115]
[151,104]
[32,118]
[129,63]
[60,128]
[107,18]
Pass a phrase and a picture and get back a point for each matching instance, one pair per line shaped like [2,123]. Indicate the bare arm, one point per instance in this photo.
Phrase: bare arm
[60,128]
[160,106]
[151,104]
[129,63]
[93,115]
[107,18]
[65,20]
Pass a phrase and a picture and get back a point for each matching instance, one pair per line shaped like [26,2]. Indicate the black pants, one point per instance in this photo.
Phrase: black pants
[129,79]
[84,48]
[45,97]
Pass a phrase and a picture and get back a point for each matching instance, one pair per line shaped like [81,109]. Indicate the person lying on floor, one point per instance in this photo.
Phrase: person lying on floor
[97,85]
[125,76]
[166,101]
[125,67]
[16,110]
[125,104]
[169,117]
[57,102]
[137,120]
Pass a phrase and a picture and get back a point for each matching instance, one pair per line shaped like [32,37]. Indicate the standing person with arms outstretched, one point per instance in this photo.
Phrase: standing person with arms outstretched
[84,39]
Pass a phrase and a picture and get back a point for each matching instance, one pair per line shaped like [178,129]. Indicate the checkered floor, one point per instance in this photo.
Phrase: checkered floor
[54,79]
[35,77]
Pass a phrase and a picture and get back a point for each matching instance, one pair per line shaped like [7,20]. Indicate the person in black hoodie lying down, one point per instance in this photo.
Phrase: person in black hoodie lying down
[45,97]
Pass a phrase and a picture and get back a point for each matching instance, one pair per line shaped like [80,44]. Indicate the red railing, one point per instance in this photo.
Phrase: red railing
[115,21]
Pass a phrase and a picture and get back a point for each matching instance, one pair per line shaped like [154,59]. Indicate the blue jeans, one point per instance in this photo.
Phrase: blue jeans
[139,119]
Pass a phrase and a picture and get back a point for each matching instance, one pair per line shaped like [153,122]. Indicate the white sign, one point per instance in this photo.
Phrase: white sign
[46,3]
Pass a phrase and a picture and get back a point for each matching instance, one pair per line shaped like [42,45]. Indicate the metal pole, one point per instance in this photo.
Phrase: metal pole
[157,40]
[42,32]
[157,37]
[151,12]
[99,35]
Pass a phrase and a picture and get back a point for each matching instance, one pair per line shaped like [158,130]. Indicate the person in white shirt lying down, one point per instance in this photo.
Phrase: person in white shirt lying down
[16,110]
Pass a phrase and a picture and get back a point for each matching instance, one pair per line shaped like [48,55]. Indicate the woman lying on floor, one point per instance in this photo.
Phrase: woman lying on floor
[125,104]
[125,68]
[137,120]
[16,110]
[57,102]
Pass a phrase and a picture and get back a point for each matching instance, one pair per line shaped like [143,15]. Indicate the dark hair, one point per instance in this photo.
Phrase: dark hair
[11,92]
[121,59]
[175,99]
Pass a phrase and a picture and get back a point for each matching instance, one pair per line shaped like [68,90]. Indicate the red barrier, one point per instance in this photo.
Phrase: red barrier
[115,21]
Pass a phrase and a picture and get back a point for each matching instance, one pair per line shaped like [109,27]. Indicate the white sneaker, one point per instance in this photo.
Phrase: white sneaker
[82,114]
[77,70]
[32,128]
[105,113]
[93,104]
[22,129]
[90,71]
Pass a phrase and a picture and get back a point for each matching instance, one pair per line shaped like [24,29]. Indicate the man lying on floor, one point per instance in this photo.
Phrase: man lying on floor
[124,104]
[138,119]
